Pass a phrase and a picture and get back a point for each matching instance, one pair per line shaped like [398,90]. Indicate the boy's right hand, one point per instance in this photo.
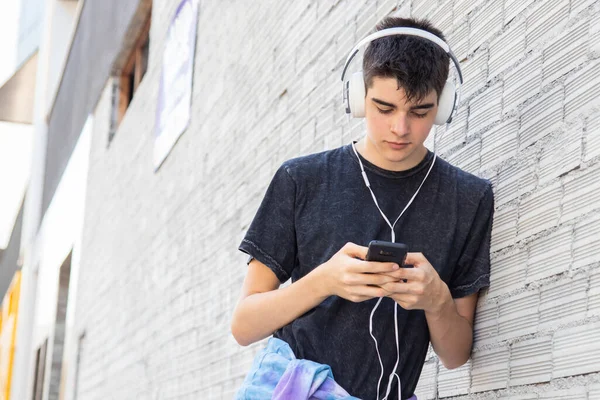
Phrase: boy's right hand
[347,275]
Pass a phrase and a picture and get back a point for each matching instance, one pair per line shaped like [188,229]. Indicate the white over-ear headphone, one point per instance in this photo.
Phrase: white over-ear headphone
[354,88]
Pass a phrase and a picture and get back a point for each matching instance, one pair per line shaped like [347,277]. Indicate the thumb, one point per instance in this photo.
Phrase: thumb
[415,259]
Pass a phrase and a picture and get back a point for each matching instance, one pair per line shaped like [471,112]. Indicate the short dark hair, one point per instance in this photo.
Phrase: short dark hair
[418,64]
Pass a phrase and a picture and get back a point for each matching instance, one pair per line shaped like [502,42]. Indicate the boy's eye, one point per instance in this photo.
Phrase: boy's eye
[389,110]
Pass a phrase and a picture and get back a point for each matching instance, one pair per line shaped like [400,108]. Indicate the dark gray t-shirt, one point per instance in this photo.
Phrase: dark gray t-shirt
[317,203]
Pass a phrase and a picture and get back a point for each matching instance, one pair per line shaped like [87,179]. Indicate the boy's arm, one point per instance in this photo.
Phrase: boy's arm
[451,330]
[450,321]
[263,308]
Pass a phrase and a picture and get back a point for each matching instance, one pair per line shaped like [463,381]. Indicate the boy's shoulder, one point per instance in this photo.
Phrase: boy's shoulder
[314,164]
[468,183]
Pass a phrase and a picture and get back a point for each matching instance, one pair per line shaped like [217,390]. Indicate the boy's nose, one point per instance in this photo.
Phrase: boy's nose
[400,125]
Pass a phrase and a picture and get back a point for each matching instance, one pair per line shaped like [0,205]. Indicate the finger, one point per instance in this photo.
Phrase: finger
[354,250]
[411,274]
[395,288]
[393,275]
[373,267]
[370,291]
[415,259]
[375,279]
[413,289]
[362,279]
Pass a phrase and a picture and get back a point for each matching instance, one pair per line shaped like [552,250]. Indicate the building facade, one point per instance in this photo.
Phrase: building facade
[134,267]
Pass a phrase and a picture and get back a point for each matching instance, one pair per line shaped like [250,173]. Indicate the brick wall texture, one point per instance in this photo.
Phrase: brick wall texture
[160,268]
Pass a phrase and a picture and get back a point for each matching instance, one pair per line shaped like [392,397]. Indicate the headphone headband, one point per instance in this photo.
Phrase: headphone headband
[403,31]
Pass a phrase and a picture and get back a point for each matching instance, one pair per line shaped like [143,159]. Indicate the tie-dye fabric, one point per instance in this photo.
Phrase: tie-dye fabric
[277,374]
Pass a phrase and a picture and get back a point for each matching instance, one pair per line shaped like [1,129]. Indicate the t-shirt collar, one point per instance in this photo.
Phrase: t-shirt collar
[385,172]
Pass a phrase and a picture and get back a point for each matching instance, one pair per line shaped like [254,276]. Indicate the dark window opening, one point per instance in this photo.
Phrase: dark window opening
[58,368]
[40,369]
[128,81]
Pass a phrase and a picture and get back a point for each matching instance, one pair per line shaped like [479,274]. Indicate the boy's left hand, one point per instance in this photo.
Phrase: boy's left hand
[424,289]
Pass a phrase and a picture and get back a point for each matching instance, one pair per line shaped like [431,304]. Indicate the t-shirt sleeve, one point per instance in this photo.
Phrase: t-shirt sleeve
[472,272]
[271,237]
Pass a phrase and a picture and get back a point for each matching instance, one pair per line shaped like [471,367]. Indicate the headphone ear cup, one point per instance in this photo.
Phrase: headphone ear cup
[446,104]
[356,95]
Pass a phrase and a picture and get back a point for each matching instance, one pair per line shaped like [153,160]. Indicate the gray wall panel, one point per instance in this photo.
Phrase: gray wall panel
[97,43]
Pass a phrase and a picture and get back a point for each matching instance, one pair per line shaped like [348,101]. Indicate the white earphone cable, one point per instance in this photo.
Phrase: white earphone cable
[393,374]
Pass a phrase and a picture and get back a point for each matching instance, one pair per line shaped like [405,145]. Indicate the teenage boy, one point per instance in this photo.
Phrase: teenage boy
[318,215]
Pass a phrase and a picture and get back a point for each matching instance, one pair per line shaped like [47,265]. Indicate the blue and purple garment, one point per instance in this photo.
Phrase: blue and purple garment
[277,374]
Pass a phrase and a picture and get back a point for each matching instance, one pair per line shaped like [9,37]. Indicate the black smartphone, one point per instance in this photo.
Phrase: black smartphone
[382,251]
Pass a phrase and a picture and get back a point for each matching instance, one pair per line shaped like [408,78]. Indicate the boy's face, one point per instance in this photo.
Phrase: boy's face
[396,129]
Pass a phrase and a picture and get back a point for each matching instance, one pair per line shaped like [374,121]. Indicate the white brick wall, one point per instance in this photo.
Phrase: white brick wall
[427,386]
[523,82]
[453,382]
[531,361]
[160,270]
